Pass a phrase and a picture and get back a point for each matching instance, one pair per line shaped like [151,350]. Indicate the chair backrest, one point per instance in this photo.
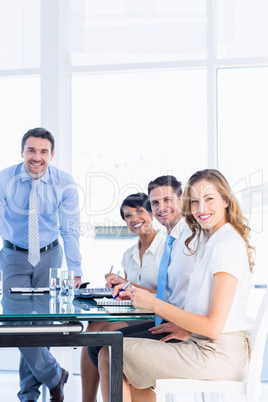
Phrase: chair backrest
[258,340]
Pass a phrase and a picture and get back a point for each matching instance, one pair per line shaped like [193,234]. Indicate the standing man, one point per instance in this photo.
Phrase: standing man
[38,203]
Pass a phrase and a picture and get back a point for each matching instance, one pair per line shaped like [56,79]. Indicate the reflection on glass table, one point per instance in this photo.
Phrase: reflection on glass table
[42,307]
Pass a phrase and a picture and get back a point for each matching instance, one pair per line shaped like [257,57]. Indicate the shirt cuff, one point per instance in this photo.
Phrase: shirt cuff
[77,271]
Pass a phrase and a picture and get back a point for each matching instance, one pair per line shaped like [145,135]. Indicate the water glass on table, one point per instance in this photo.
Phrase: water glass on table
[67,285]
[55,282]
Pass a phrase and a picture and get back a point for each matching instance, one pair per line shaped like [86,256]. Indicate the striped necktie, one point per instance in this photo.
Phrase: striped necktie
[33,229]
[162,273]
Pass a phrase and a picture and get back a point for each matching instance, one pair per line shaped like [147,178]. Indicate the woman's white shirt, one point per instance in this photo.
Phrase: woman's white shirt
[225,251]
[147,273]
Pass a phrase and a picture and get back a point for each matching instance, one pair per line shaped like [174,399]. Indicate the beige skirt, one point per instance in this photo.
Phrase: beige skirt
[224,358]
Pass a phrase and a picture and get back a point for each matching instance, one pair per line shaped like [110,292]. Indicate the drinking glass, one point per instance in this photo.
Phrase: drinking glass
[54,282]
[66,306]
[67,284]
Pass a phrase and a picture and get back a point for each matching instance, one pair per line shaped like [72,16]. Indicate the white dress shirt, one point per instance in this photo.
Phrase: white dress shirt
[144,274]
[225,251]
[58,209]
[180,266]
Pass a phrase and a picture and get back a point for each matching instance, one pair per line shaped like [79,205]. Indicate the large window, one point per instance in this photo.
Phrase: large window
[152,84]
[110,32]
[127,130]
[20,34]
[242,29]
[243,127]
[20,111]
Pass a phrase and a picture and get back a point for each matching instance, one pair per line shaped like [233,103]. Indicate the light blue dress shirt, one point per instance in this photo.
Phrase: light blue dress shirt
[57,205]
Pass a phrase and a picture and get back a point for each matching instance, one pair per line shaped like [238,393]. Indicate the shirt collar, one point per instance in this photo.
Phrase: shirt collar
[24,176]
[213,238]
[153,246]
[179,228]
[155,243]
[135,252]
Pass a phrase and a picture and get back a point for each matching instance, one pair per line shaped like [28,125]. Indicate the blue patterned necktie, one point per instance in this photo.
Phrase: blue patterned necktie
[33,234]
[162,273]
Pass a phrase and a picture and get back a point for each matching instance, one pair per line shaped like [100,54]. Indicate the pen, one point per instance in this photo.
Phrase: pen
[111,269]
[117,275]
[123,288]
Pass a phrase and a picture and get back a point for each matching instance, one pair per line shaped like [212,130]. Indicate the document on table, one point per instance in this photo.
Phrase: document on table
[129,311]
[111,302]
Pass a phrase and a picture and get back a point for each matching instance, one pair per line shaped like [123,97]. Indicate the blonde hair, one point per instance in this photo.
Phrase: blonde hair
[234,213]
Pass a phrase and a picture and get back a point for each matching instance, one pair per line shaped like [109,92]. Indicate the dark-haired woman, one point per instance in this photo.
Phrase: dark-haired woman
[140,263]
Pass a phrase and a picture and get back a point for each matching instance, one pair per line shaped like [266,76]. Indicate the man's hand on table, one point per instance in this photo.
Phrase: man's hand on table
[77,281]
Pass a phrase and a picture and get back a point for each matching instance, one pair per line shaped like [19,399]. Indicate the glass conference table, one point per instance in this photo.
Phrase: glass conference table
[39,320]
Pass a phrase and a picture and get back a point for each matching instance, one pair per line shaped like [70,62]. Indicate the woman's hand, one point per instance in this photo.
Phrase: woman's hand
[111,281]
[143,299]
[125,294]
[175,332]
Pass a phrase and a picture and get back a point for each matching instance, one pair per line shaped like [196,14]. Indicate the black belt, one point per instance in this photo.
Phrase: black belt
[7,244]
